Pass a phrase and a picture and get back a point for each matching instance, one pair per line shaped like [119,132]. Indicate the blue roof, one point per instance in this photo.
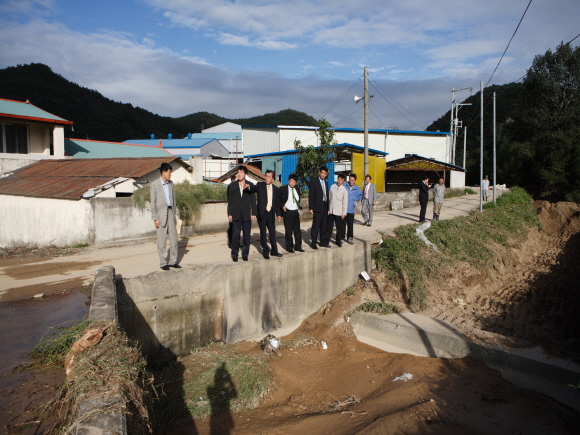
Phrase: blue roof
[359,130]
[93,149]
[337,145]
[174,143]
[19,109]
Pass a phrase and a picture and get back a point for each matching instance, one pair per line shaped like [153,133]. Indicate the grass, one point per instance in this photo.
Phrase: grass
[80,245]
[212,379]
[189,198]
[114,365]
[377,307]
[454,192]
[464,238]
[51,350]
[469,191]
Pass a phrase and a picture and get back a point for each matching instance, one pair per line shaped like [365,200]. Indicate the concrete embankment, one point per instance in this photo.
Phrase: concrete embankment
[424,336]
[174,313]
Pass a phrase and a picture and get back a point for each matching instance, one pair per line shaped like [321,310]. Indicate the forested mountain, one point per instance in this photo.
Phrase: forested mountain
[538,128]
[97,117]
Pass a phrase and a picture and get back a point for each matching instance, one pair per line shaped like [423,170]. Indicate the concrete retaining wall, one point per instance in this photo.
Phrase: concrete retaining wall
[173,313]
[424,336]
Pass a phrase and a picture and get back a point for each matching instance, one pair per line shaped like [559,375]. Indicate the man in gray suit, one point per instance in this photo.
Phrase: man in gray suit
[163,215]
[368,202]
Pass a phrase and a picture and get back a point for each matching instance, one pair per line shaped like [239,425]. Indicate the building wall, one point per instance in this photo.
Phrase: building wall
[430,146]
[44,221]
[457,179]
[305,136]
[261,141]
[214,169]
[117,219]
[226,127]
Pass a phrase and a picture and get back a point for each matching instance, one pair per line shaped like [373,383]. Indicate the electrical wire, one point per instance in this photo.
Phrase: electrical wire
[386,99]
[339,99]
[404,108]
[357,110]
[569,42]
[506,49]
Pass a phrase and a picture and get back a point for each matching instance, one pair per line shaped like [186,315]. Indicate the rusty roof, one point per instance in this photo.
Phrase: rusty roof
[252,169]
[71,178]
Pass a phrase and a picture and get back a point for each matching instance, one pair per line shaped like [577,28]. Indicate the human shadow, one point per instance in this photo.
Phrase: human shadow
[168,404]
[220,394]
[182,249]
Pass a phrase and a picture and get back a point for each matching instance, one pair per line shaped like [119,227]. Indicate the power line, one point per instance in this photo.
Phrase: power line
[506,49]
[420,120]
[357,110]
[573,39]
[339,99]
[378,119]
[380,93]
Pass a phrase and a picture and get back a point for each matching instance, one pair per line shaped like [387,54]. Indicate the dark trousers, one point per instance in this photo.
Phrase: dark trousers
[241,226]
[334,219]
[349,224]
[319,226]
[292,227]
[423,211]
[266,222]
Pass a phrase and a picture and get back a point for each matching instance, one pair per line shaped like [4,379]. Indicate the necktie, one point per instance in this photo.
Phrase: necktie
[323,190]
[241,188]
[367,191]
[294,197]
[269,206]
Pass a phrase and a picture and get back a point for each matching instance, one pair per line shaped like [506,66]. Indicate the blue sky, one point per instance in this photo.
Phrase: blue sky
[249,57]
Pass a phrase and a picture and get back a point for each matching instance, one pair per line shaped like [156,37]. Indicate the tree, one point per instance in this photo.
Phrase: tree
[311,158]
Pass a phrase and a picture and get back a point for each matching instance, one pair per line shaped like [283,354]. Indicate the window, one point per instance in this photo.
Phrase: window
[14,138]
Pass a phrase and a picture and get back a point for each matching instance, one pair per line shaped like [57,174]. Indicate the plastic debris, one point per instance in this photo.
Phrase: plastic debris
[38,296]
[365,275]
[323,345]
[270,344]
[404,377]
[419,232]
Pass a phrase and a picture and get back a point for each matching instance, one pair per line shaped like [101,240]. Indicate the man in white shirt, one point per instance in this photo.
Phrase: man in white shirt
[485,187]
[290,203]
[337,209]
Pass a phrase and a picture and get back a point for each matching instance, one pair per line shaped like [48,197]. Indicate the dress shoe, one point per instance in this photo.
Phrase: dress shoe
[350,241]
[290,251]
[299,250]
[277,254]
[368,224]
[326,245]
[339,244]
[313,246]
[166,267]
[235,259]
[175,266]
[266,256]
[245,258]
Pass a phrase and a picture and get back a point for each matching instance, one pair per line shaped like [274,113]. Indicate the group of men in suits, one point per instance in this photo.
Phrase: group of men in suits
[330,207]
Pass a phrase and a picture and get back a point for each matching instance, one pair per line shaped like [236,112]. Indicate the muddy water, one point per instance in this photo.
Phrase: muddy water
[23,323]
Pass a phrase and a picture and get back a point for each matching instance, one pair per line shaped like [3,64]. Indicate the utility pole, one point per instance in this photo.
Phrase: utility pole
[366,122]
[464,144]
[494,182]
[481,149]
[454,121]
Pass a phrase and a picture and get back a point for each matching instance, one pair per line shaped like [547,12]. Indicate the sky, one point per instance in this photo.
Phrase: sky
[244,58]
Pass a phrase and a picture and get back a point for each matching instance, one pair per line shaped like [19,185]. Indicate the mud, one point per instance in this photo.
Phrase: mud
[27,292]
[461,396]
[36,270]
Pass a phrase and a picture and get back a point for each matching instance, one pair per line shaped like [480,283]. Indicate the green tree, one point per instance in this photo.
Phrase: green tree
[311,158]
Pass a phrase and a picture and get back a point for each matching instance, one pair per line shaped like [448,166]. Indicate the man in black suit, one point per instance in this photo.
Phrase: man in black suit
[268,211]
[318,206]
[241,212]
[290,204]
[423,197]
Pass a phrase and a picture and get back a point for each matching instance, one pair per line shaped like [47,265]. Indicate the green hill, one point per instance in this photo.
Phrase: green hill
[97,117]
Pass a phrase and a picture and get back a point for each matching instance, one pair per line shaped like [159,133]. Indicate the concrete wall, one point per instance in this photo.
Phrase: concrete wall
[43,221]
[172,314]
[456,179]
[118,219]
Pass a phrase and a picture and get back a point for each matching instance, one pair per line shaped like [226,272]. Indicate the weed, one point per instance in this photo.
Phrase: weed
[454,192]
[351,291]
[377,307]
[300,340]
[470,191]
[461,239]
[189,198]
[80,245]
[215,377]
[52,349]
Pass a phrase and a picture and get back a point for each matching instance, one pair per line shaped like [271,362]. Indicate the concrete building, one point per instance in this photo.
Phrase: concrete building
[28,134]
[404,174]
[260,140]
[67,202]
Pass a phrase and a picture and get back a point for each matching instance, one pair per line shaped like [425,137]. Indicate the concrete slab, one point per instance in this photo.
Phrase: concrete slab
[423,336]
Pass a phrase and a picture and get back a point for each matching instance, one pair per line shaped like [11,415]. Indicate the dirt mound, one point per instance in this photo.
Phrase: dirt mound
[532,294]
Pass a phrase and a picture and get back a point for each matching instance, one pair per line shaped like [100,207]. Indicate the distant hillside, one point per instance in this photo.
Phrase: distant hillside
[97,117]
[509,112]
